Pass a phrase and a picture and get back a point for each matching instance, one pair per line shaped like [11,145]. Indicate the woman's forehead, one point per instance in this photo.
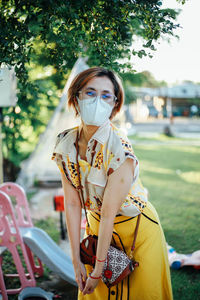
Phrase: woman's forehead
[100,83]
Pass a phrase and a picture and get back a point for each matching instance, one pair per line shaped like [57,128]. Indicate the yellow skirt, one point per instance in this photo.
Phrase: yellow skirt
[151,280]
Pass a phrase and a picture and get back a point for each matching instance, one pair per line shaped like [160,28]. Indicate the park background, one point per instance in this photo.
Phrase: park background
[167,144]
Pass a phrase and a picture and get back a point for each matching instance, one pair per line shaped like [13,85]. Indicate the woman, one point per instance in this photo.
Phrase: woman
[113,193]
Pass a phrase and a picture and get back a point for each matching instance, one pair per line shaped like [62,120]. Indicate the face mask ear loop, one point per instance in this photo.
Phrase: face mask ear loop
[116,101]
[76,106]
[115,105]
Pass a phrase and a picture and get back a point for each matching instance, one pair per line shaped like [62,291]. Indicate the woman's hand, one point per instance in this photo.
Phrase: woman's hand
[90,284]
[80,275]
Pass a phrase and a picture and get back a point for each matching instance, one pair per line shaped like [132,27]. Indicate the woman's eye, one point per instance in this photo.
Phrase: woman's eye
[90,93]
[106,96]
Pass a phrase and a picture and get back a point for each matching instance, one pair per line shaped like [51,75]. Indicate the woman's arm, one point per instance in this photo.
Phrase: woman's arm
[73,220]
[117,188]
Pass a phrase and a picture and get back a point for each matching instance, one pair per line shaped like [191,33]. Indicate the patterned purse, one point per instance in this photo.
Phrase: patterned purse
[117,265]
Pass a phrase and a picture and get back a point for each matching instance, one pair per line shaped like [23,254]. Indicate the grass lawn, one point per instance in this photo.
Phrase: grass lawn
[171,173]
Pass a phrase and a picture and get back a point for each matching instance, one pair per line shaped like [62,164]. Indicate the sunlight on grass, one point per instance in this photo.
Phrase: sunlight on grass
[191,177]
[151,168]
[171,175]
[160,137]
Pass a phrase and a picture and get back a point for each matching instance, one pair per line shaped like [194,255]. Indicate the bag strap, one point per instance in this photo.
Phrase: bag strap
[80,188]
[136,232]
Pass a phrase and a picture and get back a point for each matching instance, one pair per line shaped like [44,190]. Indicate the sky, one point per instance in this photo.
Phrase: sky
[179,60]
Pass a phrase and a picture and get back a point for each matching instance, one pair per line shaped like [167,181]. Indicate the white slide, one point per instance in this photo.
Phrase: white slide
[49,252]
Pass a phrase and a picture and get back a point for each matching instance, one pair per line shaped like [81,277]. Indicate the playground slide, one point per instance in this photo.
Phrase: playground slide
[49,252]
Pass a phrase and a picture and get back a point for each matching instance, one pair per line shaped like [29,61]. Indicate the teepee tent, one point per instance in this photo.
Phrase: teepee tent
[39,165]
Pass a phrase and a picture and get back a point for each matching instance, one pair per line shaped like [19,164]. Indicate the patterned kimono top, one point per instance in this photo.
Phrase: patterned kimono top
[112,149]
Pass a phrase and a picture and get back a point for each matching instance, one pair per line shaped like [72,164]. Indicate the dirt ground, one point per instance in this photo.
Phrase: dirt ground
[60,288]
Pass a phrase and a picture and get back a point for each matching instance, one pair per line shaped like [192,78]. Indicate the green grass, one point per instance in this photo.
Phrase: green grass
[172,176]
[161,138]
[50,226]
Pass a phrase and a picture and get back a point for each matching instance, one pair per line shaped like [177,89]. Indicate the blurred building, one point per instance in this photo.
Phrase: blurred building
[179,100]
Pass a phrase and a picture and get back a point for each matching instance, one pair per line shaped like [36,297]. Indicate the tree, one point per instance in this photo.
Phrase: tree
[102,30]
[41,34]
[143,79]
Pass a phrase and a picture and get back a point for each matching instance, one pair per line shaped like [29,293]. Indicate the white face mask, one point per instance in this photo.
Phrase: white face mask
[94,111]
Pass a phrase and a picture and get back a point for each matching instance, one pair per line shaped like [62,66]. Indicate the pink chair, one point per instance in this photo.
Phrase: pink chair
[10,238]
[23,218]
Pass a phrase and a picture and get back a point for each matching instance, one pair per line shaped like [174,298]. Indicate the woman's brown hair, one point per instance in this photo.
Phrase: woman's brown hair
[84,77]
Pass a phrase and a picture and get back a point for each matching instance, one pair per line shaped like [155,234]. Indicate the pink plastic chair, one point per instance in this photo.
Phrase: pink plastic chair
[23,217]
[10,238]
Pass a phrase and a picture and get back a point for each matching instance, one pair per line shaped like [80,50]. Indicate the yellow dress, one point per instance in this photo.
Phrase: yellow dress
[151,280]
